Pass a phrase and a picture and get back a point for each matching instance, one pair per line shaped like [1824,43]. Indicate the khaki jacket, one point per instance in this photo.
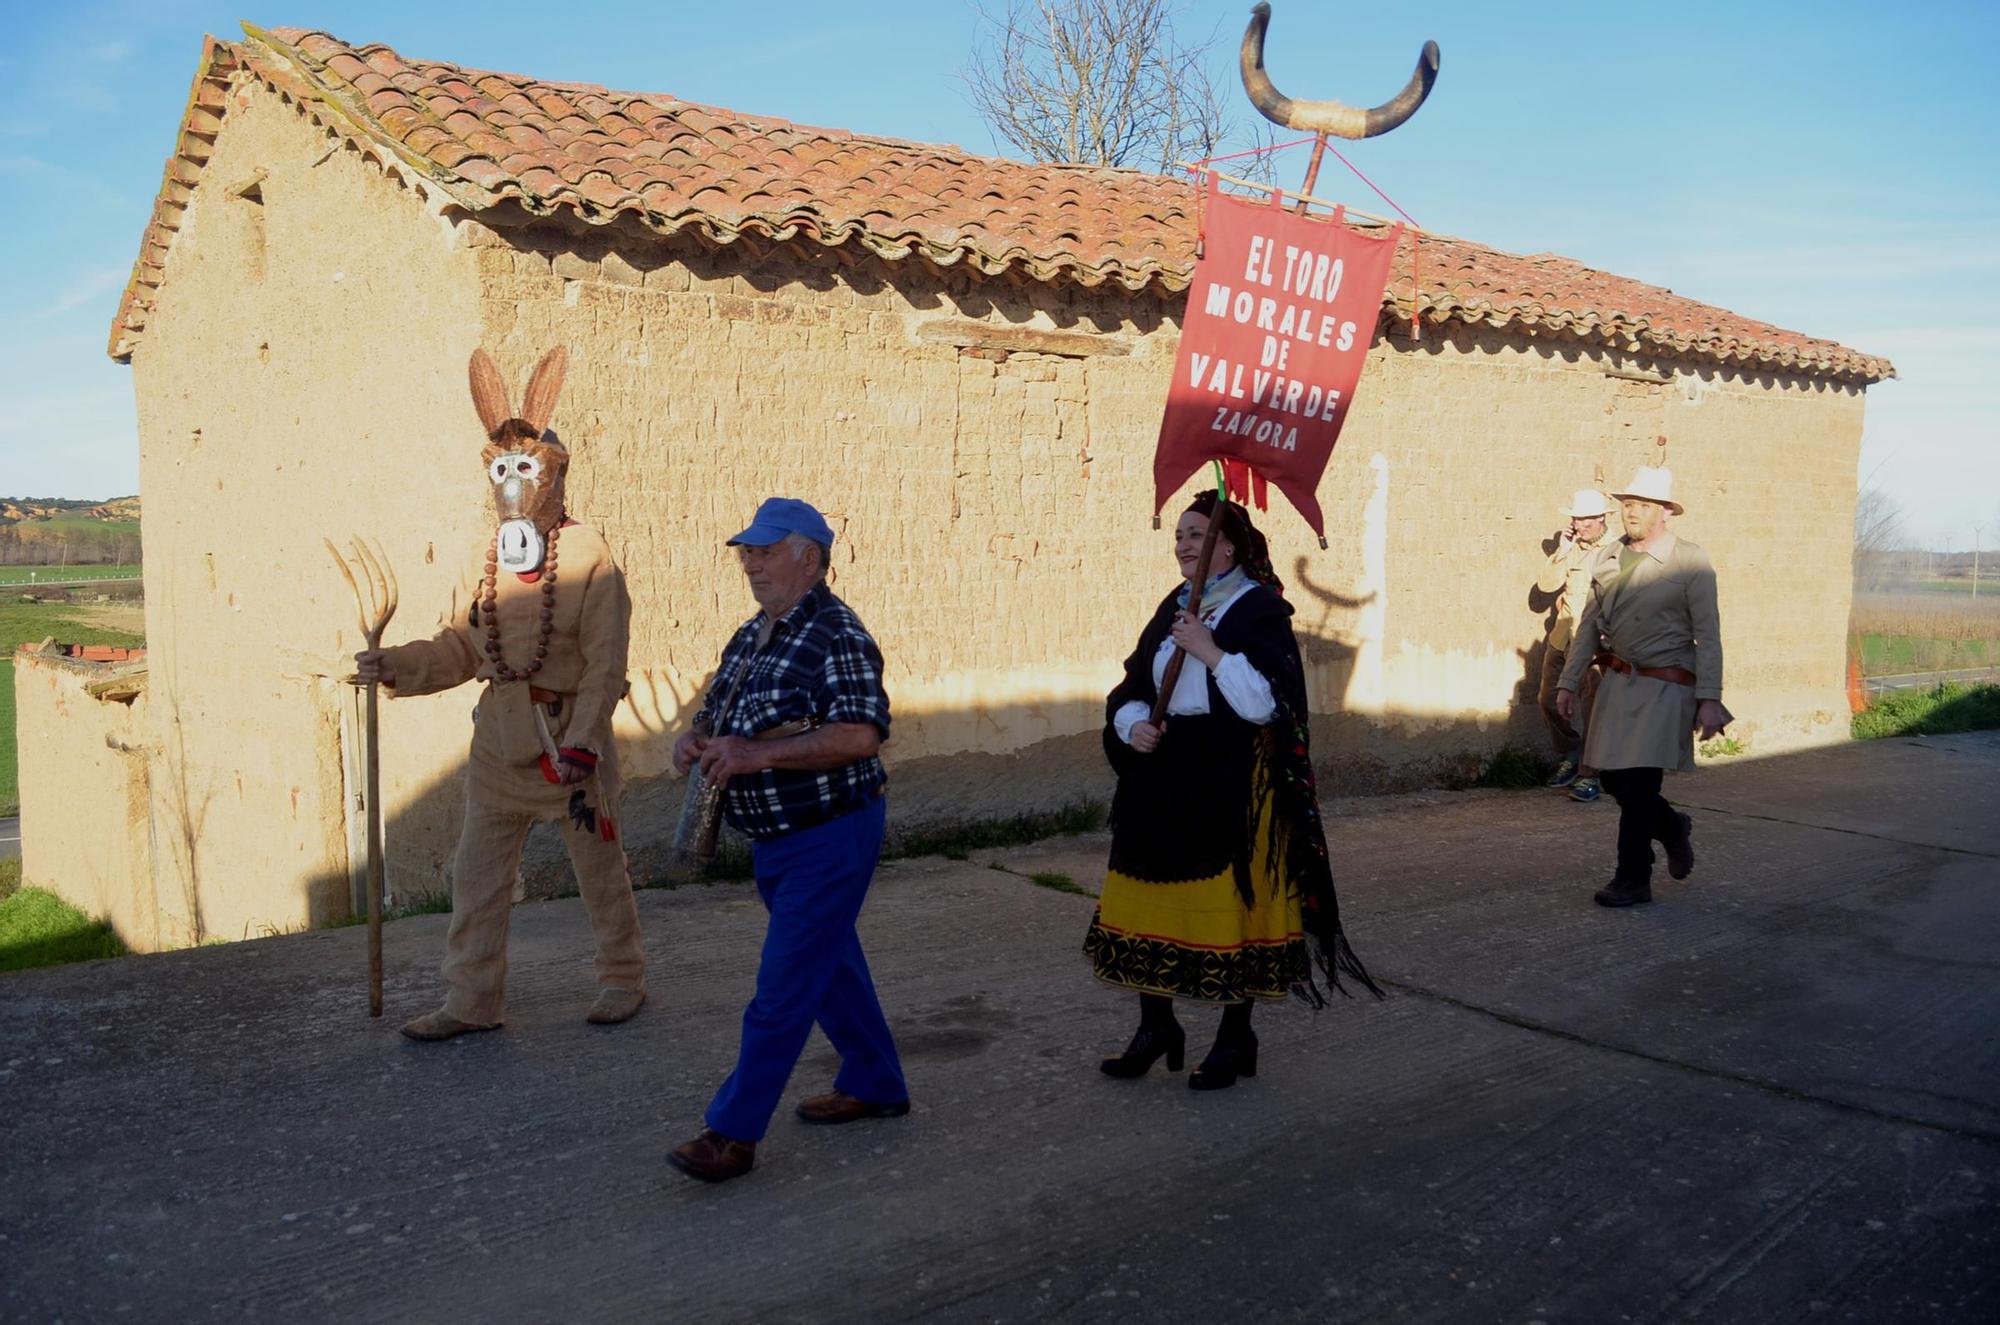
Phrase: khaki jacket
[585,666]
[1663,615]
[1568,569]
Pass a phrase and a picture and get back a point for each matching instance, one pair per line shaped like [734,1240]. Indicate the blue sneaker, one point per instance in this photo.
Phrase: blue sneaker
[1585,790]
[1564,775]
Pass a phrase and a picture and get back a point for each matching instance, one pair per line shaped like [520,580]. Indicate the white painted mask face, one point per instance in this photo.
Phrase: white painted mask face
[523,460]
[527,498]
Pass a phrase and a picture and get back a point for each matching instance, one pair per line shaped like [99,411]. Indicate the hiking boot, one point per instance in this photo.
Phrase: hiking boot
[615,1005]
[1623,892]
[441,1025]
[1564,775]
[1680,850]
[1585,790]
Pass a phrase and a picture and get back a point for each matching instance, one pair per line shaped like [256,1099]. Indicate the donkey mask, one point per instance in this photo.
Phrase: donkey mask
[525,464]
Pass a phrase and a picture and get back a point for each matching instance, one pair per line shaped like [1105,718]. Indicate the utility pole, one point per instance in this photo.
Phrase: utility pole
[1978,536]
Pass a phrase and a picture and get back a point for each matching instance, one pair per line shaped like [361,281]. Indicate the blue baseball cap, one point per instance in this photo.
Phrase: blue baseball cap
[779,516]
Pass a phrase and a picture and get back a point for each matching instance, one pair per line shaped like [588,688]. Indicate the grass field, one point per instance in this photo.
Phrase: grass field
[57,574]
[1924,632]
[30,623]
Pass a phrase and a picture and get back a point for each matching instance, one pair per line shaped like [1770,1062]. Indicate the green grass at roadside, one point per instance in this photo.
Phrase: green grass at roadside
[1890,655]
[30,623]
[38,928]
[31,575]
[1936,711]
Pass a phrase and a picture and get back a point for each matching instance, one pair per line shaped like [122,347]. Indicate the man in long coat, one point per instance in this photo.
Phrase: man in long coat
[1566,573]
[1651,624]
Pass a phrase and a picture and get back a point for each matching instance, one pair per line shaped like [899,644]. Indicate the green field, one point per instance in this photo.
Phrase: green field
[30,623]
[59,574]
[1890,655]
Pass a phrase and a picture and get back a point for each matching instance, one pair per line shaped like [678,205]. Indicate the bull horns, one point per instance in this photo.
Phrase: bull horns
[1330,117]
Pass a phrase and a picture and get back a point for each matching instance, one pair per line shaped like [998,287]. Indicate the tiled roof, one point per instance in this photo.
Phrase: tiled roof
[483,138]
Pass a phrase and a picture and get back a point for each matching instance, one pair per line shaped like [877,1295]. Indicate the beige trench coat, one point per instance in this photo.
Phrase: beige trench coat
[585,666]
[1662,615]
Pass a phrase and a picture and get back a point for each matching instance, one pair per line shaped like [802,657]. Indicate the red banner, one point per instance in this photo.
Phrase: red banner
[1279,319]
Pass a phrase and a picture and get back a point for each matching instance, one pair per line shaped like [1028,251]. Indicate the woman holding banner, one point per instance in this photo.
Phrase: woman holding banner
[1218,889]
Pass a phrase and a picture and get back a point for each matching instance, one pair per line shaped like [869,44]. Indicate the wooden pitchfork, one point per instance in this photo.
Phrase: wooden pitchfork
[375,597]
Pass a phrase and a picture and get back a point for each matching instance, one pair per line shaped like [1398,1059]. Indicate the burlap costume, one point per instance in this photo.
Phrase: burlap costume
[579,680]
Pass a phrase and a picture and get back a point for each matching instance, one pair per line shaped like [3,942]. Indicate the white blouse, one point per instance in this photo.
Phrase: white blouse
[1243,687]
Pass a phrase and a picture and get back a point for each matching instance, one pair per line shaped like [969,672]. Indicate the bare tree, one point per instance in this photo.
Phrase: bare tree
[1878,532]
[1101,82]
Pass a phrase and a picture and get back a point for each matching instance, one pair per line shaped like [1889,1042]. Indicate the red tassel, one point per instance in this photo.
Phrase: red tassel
[604,828]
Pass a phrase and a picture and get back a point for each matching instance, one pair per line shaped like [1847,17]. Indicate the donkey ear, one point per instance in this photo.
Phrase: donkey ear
[543,387]
[489,393]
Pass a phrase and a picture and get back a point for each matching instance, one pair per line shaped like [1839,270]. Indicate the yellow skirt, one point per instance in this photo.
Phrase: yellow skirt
[1195,939]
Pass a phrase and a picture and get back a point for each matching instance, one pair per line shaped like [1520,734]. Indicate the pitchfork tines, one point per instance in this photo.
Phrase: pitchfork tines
[374,588]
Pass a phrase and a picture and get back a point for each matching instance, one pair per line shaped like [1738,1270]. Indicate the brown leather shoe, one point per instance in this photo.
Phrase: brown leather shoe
[839,1107]
[713,1157]
[441,1025]
[615,1005]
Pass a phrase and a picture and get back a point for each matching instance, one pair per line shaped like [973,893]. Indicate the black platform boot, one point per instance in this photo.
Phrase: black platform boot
[1233,1055]
[1159,1034]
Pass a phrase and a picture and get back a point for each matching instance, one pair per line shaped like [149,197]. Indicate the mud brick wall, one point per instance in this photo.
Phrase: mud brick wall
[983,446]
[84,764]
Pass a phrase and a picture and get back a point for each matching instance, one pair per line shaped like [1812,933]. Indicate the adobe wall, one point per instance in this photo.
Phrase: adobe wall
[985,450]
[303,378]
[84,800]
[983,446]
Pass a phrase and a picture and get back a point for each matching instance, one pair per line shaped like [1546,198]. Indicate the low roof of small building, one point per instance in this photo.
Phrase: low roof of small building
[485,139]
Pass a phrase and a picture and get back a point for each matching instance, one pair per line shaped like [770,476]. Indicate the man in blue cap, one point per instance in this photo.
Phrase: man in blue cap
[791,726]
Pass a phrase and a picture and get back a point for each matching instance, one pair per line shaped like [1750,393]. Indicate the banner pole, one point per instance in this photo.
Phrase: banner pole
[1312,171]
[1171,677]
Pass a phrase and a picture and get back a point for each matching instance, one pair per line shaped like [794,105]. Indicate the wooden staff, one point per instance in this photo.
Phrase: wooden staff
[1201,564]
[375,597]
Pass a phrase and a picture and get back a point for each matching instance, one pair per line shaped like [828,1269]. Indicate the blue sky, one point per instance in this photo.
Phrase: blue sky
[1826,166]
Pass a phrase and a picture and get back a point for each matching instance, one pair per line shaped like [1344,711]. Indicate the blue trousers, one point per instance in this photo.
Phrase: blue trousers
[813,883]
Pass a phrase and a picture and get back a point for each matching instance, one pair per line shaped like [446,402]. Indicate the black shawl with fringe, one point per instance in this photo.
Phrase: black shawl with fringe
[1189,809]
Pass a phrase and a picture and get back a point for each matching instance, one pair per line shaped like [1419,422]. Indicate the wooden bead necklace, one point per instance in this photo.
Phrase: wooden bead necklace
[489,602]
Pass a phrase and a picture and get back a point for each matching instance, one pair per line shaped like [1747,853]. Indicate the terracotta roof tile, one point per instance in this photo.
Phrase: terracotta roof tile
[483,138]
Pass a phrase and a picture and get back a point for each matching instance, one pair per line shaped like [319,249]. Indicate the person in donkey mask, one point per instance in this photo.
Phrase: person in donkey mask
[542,618]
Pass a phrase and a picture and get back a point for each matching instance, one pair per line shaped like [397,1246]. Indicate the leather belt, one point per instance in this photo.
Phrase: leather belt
[541,696]
[1677,675]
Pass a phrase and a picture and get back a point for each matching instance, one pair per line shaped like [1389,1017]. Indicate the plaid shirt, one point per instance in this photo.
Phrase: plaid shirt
[820,663]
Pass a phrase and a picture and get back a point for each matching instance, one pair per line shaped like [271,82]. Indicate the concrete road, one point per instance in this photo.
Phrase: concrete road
[1879,685]
[10,839]
[1774,1095]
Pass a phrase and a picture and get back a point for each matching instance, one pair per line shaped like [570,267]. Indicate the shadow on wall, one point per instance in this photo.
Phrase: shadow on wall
[1355,754]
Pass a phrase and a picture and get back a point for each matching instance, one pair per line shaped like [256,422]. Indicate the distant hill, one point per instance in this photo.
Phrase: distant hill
[54,531]
[118,510]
